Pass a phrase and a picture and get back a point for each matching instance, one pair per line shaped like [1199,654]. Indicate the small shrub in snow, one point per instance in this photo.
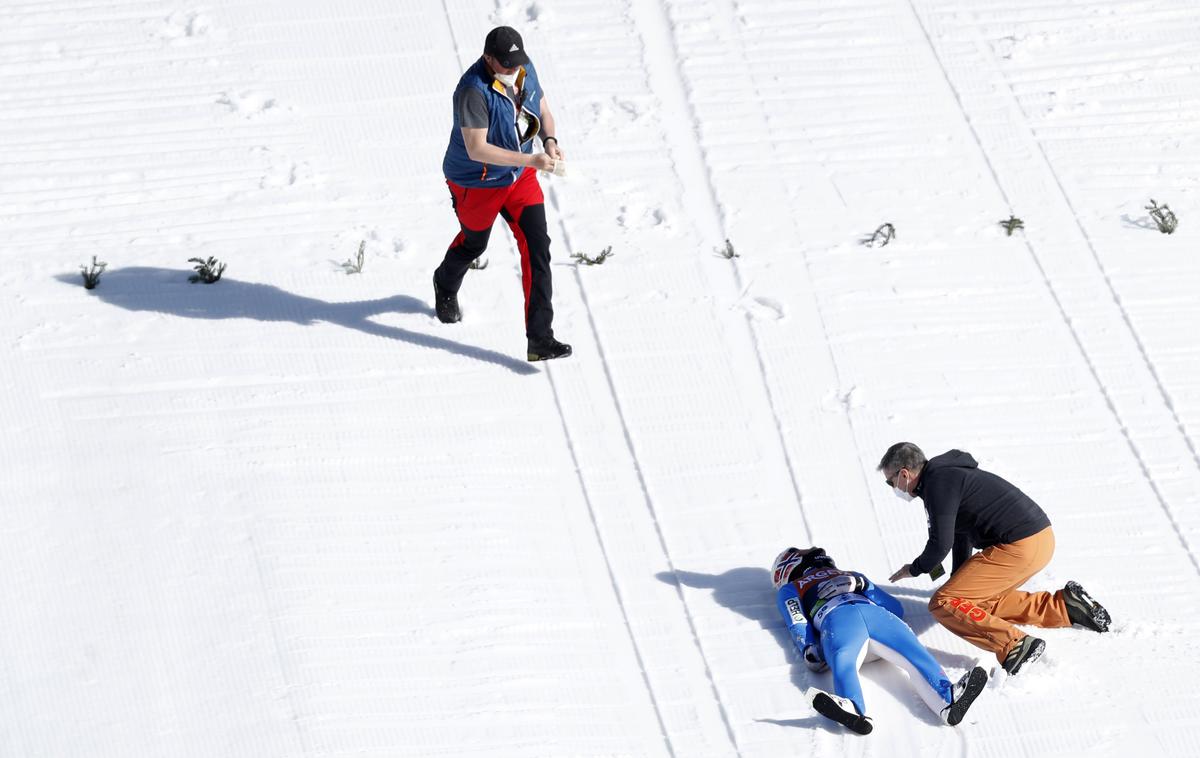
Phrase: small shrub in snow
[91,274]
[355,266]
[479,264]
[727,252]
[1163,217]
[207,271]
[1012,224]
[883,235]
[604,255]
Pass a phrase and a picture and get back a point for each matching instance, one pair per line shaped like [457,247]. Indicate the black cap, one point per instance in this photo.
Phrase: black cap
[505,45]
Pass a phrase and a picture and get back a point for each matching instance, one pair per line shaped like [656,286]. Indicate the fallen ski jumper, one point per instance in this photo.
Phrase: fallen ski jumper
[837,618]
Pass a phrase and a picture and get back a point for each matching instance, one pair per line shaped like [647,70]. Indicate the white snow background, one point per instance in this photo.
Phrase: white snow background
[292,514]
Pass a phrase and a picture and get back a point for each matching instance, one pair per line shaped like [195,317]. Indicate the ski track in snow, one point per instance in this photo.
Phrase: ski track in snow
[1079,338]
[292,514]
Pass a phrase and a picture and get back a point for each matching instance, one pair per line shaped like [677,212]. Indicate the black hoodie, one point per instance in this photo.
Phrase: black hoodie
[970,508]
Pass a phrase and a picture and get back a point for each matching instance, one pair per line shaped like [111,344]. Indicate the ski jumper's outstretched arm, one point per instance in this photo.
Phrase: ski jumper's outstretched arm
[788,602]
[803,633]
[882,598]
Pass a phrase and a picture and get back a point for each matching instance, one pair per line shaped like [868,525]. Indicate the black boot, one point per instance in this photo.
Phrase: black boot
[446,304]
[839,709]
[1083,610]
[547,349]
[964,693]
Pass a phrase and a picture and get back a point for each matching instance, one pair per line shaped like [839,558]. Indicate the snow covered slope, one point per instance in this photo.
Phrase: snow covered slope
[291,514]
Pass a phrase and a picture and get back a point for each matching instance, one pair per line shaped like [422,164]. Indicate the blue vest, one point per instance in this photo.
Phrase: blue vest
[502,127]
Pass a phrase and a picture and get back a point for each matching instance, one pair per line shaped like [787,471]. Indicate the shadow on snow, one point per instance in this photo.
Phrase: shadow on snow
[160,290]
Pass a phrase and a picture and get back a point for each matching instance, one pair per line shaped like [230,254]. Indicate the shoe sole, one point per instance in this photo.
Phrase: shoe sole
[976,681]
[828,707]
[534,357]
[1093,610]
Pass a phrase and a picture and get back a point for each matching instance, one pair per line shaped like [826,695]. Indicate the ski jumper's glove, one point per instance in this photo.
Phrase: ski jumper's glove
[840,585]
[814,660]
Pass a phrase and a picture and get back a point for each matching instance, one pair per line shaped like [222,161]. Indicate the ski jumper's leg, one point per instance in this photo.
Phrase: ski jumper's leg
[525,211]
[980,603]
[895,642]
[844,643]
[476,209]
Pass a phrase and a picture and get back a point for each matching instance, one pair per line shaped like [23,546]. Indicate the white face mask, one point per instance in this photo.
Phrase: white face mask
[900,492]
[508,80]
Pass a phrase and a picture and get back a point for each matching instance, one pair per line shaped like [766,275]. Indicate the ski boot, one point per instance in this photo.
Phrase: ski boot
[839,709]
[963,694]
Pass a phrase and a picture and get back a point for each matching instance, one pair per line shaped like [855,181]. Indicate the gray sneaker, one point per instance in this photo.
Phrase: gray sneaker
[1083,610]
[1027,650]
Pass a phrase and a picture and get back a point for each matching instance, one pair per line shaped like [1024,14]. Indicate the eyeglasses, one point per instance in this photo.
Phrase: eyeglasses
[891,480]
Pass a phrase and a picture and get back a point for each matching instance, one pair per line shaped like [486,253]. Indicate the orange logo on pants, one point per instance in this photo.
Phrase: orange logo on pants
[968,609]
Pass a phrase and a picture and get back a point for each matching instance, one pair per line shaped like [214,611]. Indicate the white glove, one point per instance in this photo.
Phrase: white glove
[813,659]
[839,585]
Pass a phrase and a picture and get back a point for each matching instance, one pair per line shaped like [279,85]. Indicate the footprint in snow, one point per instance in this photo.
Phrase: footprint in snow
[640,216]
[762,308]
[182,26]
[249,103]
[839,401]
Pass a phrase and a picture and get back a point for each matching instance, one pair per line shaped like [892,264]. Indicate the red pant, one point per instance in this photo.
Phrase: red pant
[523,207]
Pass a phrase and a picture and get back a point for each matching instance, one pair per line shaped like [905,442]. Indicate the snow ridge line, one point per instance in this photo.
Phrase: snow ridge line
[820,311]
[739,281]
[762,370]
[587,498]
[1108,400]
[608,566]
[453,36]
[1112,290]
[649,501]
[666,29]
[276,642]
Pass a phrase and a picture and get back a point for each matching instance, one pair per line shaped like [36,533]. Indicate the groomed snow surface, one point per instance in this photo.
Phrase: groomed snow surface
[292,514]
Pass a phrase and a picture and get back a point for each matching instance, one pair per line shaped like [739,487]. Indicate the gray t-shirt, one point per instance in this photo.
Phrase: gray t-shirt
[472,109]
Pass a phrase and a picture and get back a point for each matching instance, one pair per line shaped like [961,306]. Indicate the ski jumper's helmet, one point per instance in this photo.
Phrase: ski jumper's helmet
[797,561]
[815,558]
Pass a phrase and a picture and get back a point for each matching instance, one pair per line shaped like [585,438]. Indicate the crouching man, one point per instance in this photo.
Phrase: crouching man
[970,509]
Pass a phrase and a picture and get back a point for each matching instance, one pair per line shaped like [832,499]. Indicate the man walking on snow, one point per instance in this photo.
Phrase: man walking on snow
[490,167]
[970,508]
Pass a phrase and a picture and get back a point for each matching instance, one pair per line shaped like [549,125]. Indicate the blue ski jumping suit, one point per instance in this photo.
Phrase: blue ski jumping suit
[848,626]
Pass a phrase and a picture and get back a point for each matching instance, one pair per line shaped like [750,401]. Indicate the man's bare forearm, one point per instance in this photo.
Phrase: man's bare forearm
[482,151]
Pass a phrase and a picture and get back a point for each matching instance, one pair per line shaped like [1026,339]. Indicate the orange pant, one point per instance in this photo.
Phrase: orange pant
[981,602]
